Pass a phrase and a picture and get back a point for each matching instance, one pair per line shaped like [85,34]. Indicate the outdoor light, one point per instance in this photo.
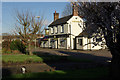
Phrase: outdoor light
[37,16]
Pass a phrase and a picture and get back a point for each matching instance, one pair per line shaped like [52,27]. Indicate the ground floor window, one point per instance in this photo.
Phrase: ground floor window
[80,41]
[62,43]
[52,43]
[44,43]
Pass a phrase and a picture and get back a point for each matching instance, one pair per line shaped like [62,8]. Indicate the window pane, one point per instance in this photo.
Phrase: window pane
[56,29]
[80,42]
[62,42]
[51,30]
[62,28]
[98,39]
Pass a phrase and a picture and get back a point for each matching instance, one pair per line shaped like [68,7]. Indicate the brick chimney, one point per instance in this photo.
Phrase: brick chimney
[75,9]
[56,16]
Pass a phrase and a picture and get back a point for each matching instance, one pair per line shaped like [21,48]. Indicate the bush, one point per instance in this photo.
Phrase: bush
[6,51]
[6,44]
[18,45]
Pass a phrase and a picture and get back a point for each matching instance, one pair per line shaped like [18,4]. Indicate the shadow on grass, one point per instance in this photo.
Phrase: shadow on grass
[94,74]
[75,60]
[76,65]
[89,56]
[6,72]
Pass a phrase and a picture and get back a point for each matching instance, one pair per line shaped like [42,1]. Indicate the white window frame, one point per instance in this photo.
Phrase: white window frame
[80,42]
[56,29]
[62,42]
[69,28]
[62,28]
[52,30]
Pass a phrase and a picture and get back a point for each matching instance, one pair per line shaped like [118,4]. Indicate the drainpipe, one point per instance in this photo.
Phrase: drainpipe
[70,36]
[87,43]
[66,42]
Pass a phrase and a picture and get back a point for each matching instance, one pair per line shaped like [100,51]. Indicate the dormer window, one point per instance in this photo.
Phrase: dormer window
[69,29]
[52,30]
[56,29]
[62,28]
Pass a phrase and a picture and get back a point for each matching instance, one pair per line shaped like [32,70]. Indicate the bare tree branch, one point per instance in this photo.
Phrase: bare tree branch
[28,26]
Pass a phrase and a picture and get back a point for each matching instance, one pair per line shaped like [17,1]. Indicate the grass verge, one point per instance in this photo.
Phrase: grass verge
[95,73]
[21,58]
[18,58]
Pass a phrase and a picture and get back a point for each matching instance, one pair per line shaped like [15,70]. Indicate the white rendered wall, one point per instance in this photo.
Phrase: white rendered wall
[75,28]
[97,47]
[85,44]
[68,43]
[91,46]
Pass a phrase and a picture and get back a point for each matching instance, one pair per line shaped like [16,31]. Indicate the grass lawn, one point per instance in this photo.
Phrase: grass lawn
[94,73]
[83,74]
[21,58]
[41,58]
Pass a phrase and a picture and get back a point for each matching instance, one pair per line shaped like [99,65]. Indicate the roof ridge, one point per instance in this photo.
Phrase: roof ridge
[64,17]
[61,20]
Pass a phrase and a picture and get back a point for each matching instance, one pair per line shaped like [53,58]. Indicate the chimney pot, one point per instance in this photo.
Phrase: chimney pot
[56,16]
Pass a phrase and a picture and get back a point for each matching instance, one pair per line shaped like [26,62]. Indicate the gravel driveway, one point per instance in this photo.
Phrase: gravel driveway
[98,56]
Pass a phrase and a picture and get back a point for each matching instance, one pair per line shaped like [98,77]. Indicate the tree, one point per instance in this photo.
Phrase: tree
[67,10]
[27,27]
[105,15]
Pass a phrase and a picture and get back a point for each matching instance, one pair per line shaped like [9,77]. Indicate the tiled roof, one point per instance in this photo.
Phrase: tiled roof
[88,31]
[60,20]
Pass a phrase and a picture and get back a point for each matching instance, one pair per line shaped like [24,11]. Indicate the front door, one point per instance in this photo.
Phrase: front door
[79,43]
[74,43]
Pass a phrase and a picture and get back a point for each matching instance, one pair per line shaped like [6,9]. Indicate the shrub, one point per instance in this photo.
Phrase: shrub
[4,50]
[18,45]
[8,52]
[6,44]
[16,51]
